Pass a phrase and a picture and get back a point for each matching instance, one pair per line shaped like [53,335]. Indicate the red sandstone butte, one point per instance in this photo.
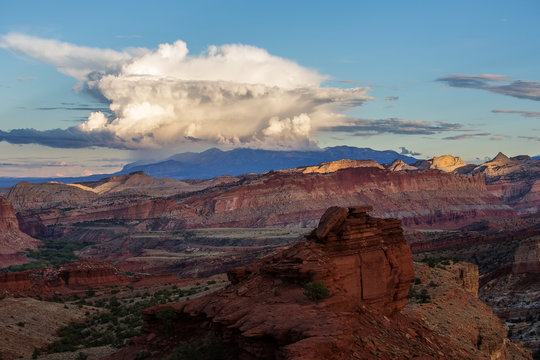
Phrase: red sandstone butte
[264,314]
[69,278]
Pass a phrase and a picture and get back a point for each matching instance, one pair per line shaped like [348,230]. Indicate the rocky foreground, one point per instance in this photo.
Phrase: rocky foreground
[367,266]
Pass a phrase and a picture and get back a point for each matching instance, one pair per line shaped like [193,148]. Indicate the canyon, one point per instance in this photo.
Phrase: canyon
[485,214]
[367,266]
[291,198]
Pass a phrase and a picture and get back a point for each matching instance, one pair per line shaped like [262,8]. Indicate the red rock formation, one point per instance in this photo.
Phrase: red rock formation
[527,257]
[454,310]
[422,199]
[516,181]
[428,199]
[364,262]
[72,277]
[333,166]
[40,196]
[400,165]
[12,240]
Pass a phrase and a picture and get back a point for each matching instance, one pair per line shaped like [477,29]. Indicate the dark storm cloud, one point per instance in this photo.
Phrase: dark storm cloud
[70,138]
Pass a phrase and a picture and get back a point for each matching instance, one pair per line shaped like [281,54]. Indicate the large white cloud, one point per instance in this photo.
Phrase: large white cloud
[232,94]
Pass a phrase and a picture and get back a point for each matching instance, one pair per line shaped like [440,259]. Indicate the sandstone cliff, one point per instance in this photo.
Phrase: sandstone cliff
[333,166]
[400,165]
[514,293]
[294,198]
[64,279]
[516,181]
[41,196]
[446,163]
[263,314]
[428,199]
[12,240]
[527,257]
[454,310]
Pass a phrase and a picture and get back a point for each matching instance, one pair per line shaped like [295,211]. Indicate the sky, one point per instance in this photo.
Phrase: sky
[88,87]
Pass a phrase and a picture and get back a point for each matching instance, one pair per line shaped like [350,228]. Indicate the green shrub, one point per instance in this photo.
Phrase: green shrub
[166,318]
[316,291]
[424,296]
[143,354]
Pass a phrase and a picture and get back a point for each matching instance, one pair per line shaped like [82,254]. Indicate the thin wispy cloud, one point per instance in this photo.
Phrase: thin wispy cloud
[391,98]
[536,138]
[232,95]
[466,136]
[366,127]
[26,79]
[32,165]
[516,88]
[524,113]
[75,107]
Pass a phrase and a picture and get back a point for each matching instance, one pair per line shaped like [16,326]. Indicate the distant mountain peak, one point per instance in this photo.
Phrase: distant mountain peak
[214,162]
[500,157]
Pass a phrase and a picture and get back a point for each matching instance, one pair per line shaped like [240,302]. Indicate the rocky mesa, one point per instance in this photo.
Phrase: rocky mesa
[268,312]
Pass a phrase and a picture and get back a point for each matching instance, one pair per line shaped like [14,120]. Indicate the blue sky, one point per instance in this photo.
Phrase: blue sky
[425,76]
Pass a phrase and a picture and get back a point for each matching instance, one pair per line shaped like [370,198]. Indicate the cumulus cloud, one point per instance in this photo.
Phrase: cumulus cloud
[365,127]
[405,151]
[516,88]
[235,95]
[524,113]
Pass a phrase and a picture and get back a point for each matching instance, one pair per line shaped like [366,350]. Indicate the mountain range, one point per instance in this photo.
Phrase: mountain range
[215,162]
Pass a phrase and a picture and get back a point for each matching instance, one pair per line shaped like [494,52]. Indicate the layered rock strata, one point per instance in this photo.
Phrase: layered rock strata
[12,240]
[72,277]
[264,313]
[527,257]
[421,199]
